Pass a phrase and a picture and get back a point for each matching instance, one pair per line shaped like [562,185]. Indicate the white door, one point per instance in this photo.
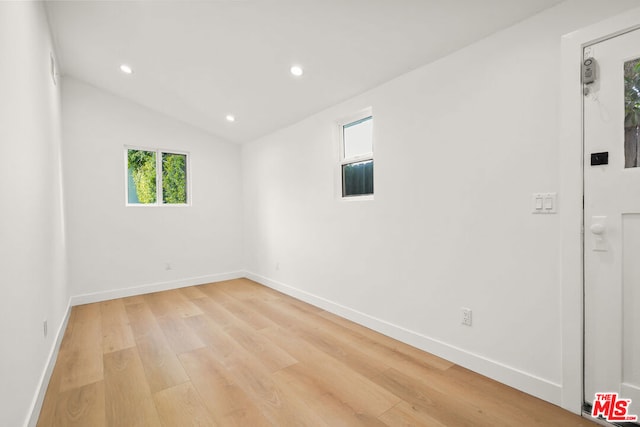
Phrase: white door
[612,221]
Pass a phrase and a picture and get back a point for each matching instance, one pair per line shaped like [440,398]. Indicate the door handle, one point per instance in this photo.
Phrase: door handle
[597,229]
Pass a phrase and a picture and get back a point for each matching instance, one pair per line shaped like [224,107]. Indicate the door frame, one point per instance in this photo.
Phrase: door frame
[571,187]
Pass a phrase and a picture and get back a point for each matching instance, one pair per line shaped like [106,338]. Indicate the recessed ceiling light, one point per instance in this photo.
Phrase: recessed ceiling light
[126,69]
[231,118]
[296,70]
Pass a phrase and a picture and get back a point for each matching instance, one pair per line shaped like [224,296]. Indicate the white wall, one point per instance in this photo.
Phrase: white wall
[32,246]
[460,145]
[116,250]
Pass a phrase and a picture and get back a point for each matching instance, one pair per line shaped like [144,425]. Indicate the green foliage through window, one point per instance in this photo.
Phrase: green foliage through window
[174,178]
[144,180]
[142,168]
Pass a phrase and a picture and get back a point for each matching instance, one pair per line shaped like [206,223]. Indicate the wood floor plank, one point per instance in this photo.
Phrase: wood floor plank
[437,403]
[241,332]
[347,354]
[80,355]
[271,356]
[136,299]
[331,408]
[336,342]
[390,348]
[360,393]
[48,410]
[212,335]
[384,349]
[227,403]
[172,303]
[362,350]
[510,403]
[268,309]
[237,353]
[406,415]
[215,311]
[244,289]
[179,336]
[276,401]
[293,410]
[161,365]
[300,305]
[116,332]
[141,320]
[192,292]
[128,397]
[181,405]
[237,308]
[82,406]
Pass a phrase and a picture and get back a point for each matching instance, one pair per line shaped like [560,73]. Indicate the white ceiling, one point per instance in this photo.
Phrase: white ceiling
[198,61]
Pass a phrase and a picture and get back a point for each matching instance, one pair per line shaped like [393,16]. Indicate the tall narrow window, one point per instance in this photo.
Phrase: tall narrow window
[156,177]
[356,138]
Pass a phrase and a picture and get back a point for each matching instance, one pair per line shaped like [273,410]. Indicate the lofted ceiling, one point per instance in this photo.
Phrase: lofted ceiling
[199,61]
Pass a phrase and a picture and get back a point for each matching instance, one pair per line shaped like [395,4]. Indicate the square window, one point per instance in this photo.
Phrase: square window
[156,177]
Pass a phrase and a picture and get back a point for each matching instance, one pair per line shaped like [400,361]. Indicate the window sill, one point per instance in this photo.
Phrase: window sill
[173,205]
[357,198]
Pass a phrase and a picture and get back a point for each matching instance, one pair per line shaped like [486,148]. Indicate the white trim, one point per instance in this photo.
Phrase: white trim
[357,159]
[153,287]
[357,198]
[571,187]
[511,376]
[43,384]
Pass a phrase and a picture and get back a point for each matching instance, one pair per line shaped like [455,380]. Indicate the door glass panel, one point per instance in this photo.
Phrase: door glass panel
[630,303]
[632,113]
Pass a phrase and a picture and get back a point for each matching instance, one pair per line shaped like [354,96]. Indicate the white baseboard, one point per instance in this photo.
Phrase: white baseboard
[38,399]
[526,382]
[153,287]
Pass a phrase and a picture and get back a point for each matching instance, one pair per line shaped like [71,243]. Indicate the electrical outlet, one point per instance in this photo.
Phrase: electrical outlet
[466,316]
[167,266]
[45,328]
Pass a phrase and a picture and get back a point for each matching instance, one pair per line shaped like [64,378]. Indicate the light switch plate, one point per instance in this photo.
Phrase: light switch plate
[537,203]
[544,203]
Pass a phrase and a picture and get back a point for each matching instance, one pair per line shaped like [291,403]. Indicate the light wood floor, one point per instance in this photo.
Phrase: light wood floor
[239,354]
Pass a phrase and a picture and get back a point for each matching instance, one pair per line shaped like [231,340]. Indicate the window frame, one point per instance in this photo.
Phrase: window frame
[158,152]
[359,116]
